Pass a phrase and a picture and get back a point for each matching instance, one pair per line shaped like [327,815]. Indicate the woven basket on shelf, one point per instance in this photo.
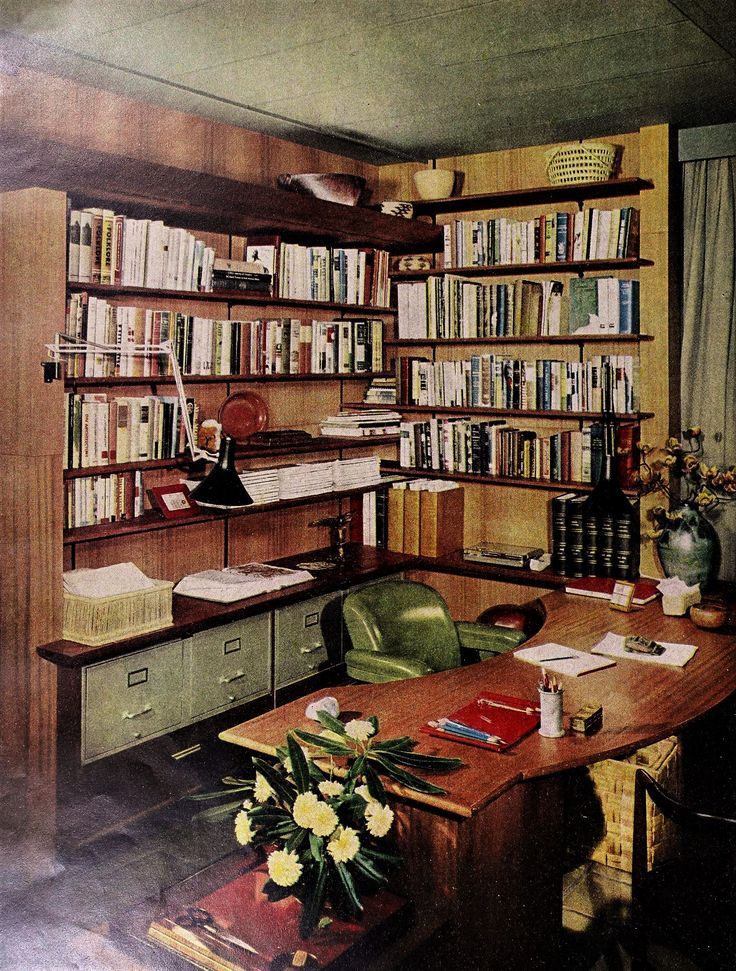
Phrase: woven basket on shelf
[613,782]
[103,620]
[580,162]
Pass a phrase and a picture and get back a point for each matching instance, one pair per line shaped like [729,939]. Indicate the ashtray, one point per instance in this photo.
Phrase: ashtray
[709,615]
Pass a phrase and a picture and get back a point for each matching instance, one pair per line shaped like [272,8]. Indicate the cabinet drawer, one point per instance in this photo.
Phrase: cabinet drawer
[307,637]
[131,698]
[229,664]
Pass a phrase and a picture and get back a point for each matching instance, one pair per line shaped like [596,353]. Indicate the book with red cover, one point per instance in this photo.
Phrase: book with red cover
[506,716]
[602,587]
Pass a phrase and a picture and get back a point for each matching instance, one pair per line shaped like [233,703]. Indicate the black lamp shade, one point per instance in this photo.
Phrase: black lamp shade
[222,488]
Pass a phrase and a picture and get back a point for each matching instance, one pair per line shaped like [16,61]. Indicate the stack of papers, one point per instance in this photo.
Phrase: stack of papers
[370,422]
[107,581]
[676,655]
[239,582]
[307,479]
[262,484]
[354,473]
[562,660]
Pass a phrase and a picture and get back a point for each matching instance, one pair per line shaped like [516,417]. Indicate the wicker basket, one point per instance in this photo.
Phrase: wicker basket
[613,781]
[580,162]
[102,620]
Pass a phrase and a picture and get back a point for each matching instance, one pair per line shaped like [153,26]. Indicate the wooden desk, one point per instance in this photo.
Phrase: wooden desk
[488,853]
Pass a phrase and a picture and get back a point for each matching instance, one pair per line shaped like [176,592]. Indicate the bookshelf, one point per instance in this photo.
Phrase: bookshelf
[512,184]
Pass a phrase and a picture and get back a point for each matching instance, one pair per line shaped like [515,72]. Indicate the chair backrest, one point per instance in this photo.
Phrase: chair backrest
[403,617]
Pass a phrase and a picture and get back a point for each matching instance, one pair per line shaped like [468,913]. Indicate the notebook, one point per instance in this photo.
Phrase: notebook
[506,716]
[563,660]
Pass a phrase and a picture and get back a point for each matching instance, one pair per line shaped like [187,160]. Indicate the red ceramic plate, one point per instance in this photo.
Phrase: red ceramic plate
[242,414]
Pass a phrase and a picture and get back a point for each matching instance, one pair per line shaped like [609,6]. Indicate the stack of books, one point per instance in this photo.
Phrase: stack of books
[382,391]
[307,479]
[240,275]
[355,473]
[377,421]
[262,485]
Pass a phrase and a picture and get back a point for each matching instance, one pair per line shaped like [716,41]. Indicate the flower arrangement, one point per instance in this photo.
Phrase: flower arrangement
[322,825]
[703,486]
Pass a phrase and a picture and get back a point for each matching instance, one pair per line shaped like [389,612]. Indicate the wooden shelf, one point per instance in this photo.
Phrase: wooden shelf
[495,480]
[517,339]
[456,565]
[231,297]
[519,269]
[197,200]
[321,443]
[71,382]
[511,412]
[610,189]
[152,520]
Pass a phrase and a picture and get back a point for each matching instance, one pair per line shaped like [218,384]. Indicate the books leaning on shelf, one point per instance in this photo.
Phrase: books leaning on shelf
[109,248]
[376,421]
[204,346]
[240,275]
[350,275]
[425,517]
[603,305]
[98,499]
[587,542]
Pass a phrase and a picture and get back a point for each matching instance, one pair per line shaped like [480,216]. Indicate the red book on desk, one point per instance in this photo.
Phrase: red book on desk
[602,588]
[506,716]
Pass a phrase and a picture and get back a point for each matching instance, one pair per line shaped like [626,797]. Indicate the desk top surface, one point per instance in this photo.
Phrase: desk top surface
[642,702]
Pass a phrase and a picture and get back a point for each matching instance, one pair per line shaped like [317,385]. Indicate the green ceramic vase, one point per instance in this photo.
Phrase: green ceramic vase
[689,548]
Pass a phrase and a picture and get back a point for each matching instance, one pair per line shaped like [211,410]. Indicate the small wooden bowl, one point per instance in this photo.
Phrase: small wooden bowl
[709,615]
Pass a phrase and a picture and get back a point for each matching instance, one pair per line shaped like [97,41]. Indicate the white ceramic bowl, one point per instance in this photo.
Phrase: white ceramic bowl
[434,183]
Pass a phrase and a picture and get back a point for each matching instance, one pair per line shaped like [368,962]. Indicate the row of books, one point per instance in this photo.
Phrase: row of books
[106,247]
[339,274]
[450,306]
[96,499]
[425,517]
[310,478]
[482,447]
[205,346]
[588,540]
[494,381]
[591,234]
[102,431]
[348,424]
[603,305]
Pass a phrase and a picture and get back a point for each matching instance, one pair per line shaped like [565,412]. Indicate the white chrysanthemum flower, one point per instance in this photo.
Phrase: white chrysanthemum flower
[378,818]
[247,804]
[284,867]
[359,729]
[344,845]
[304,809]
[364,792]
[244,832]
[330,787]
[325,820]
[262,790]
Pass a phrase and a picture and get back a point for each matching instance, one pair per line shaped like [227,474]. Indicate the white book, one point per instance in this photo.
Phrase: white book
[73,255]
[563,660]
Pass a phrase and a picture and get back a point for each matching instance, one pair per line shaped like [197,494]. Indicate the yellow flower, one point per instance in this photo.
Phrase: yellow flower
[690,463]
[378,818]
[344,845]
[705,498]
[673,444]
[645,448]
[310,813]
[330,788]
[325,820]
[244,832]
[360,730]
[262,790]
[669,460]
[284,867]
[693,432]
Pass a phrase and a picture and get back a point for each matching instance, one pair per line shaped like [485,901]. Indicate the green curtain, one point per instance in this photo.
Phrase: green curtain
[708,361]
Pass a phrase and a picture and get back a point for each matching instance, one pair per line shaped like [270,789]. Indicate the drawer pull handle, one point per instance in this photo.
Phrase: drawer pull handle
[137,714]
[312,667]
[310,650]
[233,677]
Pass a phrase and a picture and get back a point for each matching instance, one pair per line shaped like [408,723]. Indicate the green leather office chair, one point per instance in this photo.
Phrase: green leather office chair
[403,629]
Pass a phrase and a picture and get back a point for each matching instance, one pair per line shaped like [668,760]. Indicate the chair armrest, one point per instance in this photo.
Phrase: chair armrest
[376,667]
[478,641]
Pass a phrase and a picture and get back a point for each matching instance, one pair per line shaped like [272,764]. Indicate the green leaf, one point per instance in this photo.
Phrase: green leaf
[356,769]
[273,777]
[231,780]
[375,786]
[350,892]
[313,901]
[431,763]
[381,856]
[219,794]
[395,744]
[367,868]
[299,767]
[374,721]
[327,721]
[315,846]
[295,840]
[406,778]
[218,812]
[326,744]
[282,830]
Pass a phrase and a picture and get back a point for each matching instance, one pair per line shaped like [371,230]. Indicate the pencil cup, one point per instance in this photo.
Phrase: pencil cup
[550,717]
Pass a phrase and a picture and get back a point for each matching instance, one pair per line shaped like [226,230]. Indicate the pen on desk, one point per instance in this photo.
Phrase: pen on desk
[558,657]
[464,731]
[499,704]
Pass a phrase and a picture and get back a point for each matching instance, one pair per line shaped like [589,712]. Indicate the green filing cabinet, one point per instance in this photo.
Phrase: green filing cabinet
[307,638]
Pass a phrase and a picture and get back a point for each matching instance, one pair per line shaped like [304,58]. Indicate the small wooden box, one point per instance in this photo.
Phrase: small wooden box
[441,522]
[103,620]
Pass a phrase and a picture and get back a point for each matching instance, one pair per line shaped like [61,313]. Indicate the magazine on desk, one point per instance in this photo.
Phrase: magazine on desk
[239,582]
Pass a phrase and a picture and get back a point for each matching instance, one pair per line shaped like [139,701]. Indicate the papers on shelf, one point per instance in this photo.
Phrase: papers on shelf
[239,582]
[676,655]
[562,660]
[107,581]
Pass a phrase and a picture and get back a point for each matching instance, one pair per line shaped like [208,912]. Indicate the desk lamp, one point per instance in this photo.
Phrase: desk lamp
[221,488]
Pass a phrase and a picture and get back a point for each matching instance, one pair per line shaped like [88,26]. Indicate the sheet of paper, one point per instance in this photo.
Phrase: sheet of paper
[106,581]
[676,655]
[562,660]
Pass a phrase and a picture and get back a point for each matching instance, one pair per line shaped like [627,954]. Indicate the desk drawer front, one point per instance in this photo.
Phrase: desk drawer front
[131,698]
[230,664]
[307,637]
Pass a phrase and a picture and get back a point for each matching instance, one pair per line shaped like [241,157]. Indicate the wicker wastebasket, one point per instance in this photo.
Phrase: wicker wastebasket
[613,784]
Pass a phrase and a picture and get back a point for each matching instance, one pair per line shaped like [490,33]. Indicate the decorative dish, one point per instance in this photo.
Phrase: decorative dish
[242,414]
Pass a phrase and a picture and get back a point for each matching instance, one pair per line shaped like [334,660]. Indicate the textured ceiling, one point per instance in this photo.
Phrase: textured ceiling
[384,80]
